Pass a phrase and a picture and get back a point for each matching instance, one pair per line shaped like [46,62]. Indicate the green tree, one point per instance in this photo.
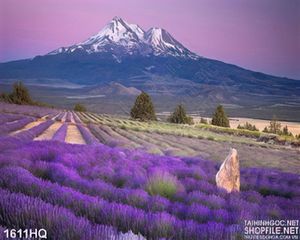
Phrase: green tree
[179,116]
[220,118]
[275,126]
[143,108]
[248,126]
[286,132]
[266,130]
[4,97]
[79,108]
[20,94]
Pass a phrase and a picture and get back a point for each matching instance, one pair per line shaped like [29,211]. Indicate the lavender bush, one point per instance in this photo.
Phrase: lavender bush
[35,131]
[34,111]
[5,118]
[60,223]
[61,133]
[108,186]
[15,125]
[87,135]
[60,116]
[76,118]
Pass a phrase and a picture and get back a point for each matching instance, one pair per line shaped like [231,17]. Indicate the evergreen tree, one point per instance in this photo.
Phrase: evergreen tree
[4,97]
[220,118]
[79,108]
[179,116]
[143,108]
[286,132]
[20,94]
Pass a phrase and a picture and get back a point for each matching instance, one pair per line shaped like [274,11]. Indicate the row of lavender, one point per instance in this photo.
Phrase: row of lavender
[31,213]
[108,186]
[11,123]
[33,111]
[8,126]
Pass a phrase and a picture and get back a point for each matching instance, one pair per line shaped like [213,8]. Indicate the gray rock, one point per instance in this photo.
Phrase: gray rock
[228,177]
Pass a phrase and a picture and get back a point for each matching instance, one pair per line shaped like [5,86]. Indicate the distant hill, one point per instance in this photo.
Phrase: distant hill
[114,88]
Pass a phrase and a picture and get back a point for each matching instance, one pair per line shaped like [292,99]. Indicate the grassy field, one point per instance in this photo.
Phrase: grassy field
[196,140]
[201,131]
[294,127]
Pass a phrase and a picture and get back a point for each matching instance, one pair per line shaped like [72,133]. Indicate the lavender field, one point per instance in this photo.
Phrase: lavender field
[86,176]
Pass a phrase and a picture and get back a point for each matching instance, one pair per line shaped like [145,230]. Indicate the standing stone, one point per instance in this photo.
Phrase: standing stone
[228,177]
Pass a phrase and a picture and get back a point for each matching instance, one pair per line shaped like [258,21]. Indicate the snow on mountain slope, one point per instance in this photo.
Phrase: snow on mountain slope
[163,43]
[119,37]
[117,31]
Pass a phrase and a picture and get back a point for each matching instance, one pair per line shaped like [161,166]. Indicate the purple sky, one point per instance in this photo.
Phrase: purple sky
[262,35]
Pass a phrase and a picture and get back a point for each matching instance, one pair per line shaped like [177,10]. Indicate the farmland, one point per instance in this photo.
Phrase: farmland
[91,176]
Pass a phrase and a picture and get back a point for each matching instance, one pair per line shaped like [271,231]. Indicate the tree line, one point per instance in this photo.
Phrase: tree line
[143,110]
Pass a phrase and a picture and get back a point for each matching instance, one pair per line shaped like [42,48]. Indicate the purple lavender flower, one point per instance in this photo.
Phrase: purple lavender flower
[87,135]
[15,125]
[61,133]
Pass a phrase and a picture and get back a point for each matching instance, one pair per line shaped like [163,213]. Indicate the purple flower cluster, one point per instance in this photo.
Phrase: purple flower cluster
[103,136]
[5,118]
[22,212]
[61,133]
[60,116]
[76,118]
[87,135]
[109,186]
[34,111]
[15,125]
[34,132]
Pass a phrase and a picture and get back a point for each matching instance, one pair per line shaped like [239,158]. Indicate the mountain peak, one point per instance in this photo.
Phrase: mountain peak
[117,18]
[120,37]
[116,30]
[163,42]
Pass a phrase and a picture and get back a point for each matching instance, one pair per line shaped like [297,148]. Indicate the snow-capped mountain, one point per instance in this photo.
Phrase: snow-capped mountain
[153,61]
[119,37]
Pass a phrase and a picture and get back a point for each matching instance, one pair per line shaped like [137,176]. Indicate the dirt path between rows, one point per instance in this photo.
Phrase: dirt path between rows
[72,118]
[28,126]
[48,134]
[73,135]
[64,117]
[54,118]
